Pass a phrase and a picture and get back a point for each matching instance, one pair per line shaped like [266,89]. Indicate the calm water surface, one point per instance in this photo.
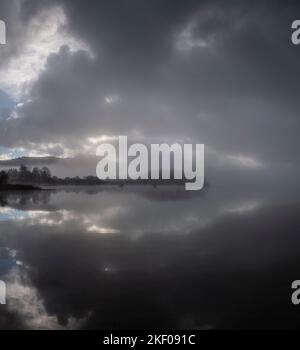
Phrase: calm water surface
[143,257]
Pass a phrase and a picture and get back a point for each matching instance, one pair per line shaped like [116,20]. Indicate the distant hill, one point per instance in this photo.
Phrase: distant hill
[30,161]
[61,167]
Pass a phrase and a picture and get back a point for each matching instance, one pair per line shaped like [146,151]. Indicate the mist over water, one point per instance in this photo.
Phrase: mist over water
[77,74]
[144,257]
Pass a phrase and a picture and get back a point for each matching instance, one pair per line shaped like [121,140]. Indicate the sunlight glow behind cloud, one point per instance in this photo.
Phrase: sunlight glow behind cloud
[44,36]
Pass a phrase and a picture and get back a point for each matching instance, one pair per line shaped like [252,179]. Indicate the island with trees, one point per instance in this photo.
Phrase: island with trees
[6,186]
[25,179]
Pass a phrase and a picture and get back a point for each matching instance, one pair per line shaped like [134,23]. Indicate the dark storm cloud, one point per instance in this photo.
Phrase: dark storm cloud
[220,73]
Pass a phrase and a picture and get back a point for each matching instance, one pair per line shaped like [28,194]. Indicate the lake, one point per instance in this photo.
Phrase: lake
[141,257]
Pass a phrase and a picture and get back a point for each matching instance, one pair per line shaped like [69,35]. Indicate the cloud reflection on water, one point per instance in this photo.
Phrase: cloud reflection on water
[115,260]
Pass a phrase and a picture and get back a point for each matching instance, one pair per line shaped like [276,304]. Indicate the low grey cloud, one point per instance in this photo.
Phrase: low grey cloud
[221,74]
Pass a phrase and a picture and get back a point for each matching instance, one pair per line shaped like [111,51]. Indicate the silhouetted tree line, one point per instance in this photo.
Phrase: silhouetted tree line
[3,178]
[43,176]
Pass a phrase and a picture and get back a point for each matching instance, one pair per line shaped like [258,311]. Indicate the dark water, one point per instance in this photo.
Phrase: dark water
[141,257]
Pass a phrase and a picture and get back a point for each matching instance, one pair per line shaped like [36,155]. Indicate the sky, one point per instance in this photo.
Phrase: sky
[75,73]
